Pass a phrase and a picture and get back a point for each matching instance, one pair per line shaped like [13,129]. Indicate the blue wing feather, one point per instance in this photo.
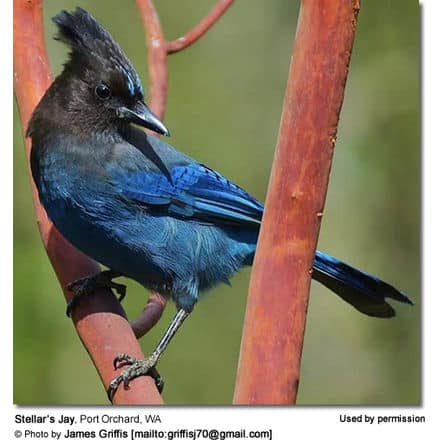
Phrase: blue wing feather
[195,192]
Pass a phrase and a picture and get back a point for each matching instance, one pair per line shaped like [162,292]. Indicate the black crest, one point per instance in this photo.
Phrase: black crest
[90,42]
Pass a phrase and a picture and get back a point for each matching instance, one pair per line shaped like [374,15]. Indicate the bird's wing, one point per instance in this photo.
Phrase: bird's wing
[191,191]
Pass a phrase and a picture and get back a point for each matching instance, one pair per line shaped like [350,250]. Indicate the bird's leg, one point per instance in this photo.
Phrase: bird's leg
[147,366]
[87,285]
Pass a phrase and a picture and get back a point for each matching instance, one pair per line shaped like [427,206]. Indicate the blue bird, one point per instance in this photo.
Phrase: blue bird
[138,206]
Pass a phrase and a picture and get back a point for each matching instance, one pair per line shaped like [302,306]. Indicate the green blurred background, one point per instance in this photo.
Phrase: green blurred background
[225,100]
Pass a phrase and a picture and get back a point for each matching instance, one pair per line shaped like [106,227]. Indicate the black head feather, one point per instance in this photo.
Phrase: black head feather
[91,45]
[98,90]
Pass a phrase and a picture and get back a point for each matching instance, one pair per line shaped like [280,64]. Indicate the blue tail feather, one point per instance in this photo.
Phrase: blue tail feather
[363,291]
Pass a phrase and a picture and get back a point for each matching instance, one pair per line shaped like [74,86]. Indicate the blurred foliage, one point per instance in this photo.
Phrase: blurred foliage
[225,100]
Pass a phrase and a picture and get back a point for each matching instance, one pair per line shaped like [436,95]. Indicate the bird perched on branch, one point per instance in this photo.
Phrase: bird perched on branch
[138,206]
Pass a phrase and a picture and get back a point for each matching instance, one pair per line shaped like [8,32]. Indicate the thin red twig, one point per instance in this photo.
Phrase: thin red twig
[157,56]
[273,334]
[200,29]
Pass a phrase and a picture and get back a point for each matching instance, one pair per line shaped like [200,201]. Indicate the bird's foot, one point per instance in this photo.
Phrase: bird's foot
[138,367]
[87,285]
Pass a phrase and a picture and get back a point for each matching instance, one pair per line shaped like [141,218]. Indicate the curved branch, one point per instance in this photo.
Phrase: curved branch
[158,71]
[270,357]
[158,49]
[200,29]
[107,333]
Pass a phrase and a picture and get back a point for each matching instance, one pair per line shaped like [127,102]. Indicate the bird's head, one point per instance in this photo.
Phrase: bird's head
[98,88]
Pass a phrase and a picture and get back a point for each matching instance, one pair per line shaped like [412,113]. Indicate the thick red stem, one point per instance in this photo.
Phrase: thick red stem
[99,320]
[273,334]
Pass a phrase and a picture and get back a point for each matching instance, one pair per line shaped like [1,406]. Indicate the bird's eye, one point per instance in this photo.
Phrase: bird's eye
[102,91]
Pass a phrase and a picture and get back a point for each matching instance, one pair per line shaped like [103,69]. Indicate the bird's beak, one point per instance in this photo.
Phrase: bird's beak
[143,116]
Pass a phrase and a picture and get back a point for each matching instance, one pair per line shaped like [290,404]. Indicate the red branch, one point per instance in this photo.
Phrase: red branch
[150,315]
[200,29]
[158,49]
[157,56]
[158,71]
[107,333]
[273,334]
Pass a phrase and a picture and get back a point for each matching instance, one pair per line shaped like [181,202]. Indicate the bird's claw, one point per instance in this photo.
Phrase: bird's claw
[87,285]
[123,359]
[138,367]
[121,289]
[79,288]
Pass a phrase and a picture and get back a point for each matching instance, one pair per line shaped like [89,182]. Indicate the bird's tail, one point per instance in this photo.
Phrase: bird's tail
[363,291]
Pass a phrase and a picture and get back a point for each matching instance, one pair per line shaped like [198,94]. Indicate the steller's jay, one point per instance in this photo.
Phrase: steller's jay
[140,207]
